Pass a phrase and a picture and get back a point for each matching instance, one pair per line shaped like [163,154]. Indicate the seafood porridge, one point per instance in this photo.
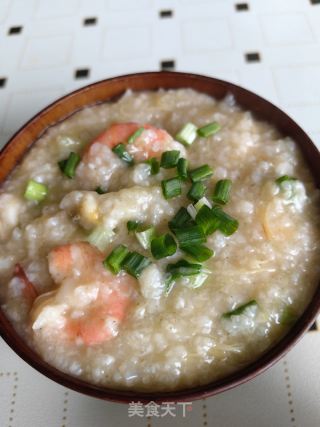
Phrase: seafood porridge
[158,242]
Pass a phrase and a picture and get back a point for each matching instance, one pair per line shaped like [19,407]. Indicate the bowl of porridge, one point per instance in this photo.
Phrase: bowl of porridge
[159,237]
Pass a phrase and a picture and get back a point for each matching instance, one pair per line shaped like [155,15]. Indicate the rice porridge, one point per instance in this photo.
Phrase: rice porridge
[158,242]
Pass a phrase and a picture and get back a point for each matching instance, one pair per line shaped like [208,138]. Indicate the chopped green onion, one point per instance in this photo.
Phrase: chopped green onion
[133,225]
[154,165]
[169,284]
[35,191]
[169,159]
[196,191]
[200,253]
[288,317]
[183,268]
[134,263]
[187,134]
[227,224]
[192,211]
[145,237]
[190,235]
[135,135]
[195,281]
[182,168]
[99,190]
[240,310]
[201,202]
[120,151]
[100,237]
[62,164]
[181,219]
[201,173]
[222,191]
[115,259]
[163,246]
[288,186]
[69,165]
[171,187]
[207,220]
[284,178]
[209,129]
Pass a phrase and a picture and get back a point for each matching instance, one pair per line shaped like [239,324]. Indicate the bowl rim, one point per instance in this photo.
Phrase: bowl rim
[258,366]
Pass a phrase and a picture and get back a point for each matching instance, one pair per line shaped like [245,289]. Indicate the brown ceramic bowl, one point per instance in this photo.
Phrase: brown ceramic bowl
[107,90]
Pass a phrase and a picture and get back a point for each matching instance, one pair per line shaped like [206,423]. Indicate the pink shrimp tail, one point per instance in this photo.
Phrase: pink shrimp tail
[29,289]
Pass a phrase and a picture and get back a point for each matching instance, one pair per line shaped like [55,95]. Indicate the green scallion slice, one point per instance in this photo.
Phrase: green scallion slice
[196,191]
[187,134]
[182,168]
[120,151]
[62,164]
[169,284]
[169,159]
[134,263]
[69,165]
[200,174]
[199,253]
[190,235]
[135,135]
[201,202]
[227,224]
[154,165]
[183,268]
[163,246]
[133,225]
[35,191]
[171,187]
[115,259]
[288,186]
[221,193]
[145,237]
[207,220]
[99,190]
[195,281]
[209,129]
[181,219]
[284,178]
[192,211]
[100,237]
[240,310]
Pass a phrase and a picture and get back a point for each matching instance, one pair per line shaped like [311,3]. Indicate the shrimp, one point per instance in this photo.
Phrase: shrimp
[100,167]
[20,295]
[11,209]
[151,142]
[29,291]
[89,303]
